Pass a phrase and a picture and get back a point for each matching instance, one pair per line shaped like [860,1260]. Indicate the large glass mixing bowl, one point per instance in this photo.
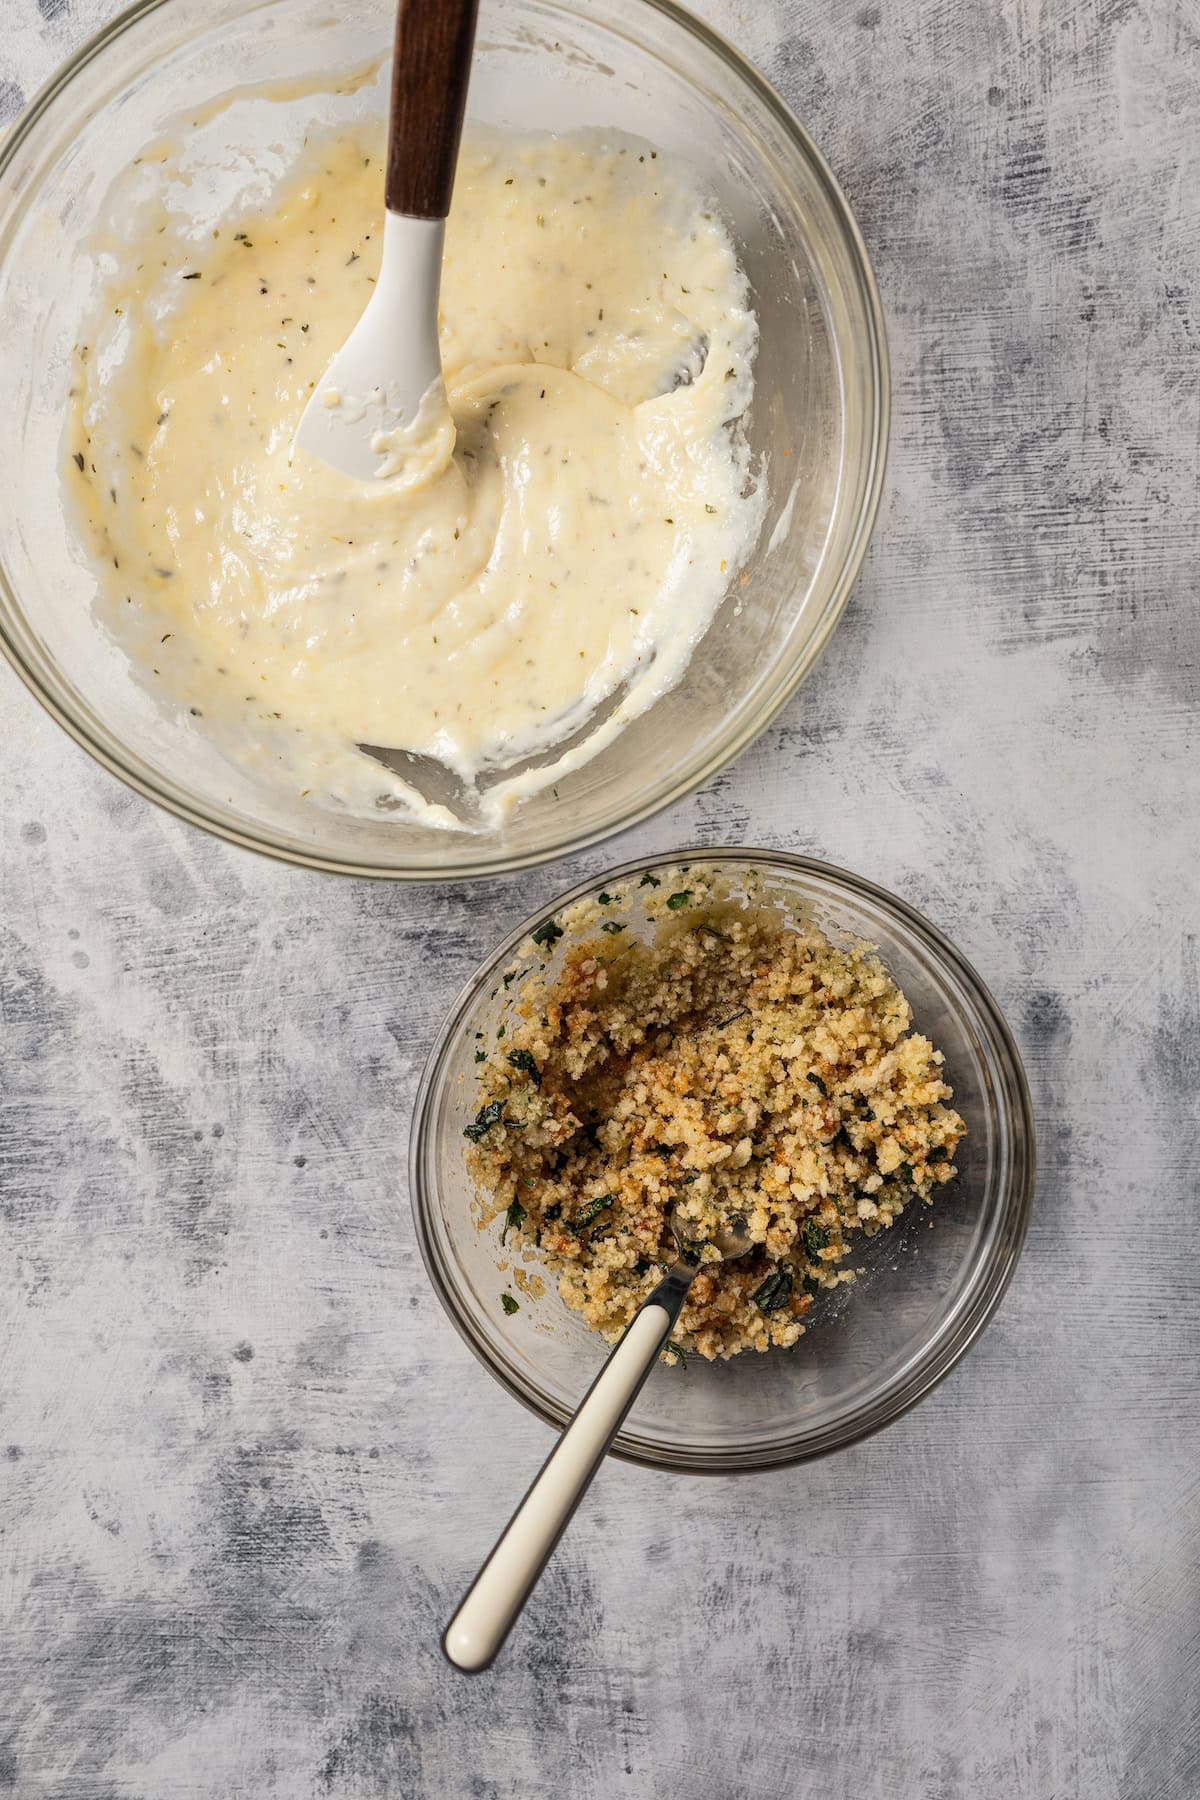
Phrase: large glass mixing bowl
[818,426]
[872,1349]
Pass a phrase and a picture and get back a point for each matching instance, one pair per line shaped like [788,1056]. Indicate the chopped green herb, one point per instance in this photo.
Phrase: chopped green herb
[509,1304]
[676,1350]
[523,1060]
[816,1238]
[611,926]
[692,1248]
[484,1119]
[481,1056]
[605,899]
[939,1153]
[547,935]
[649,880]
[675,901]
[502,1031]
[590,1213]
[774,1291]
[811,1285]
[514,1218]
[819,1084]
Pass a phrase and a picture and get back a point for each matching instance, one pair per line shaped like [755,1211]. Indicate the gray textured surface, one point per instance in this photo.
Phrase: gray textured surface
[248,1462]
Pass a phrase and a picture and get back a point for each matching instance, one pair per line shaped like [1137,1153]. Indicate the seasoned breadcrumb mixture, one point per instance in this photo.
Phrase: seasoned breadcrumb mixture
[733,1064]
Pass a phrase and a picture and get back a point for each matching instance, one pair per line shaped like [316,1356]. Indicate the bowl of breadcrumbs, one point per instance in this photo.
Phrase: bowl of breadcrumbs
[710,1041]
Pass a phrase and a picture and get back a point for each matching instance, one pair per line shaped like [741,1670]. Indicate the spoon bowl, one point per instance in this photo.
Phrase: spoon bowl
[730,1240]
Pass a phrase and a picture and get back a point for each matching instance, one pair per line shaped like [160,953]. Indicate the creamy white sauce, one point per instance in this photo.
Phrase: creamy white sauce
[557,570]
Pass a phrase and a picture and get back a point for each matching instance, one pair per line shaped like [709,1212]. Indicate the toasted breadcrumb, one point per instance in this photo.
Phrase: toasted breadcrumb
[730,1064]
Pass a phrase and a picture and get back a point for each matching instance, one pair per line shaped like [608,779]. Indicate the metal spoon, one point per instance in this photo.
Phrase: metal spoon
[387,377]
[439,785]
[508,1577]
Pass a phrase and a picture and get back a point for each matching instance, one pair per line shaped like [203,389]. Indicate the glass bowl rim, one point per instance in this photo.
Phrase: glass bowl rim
[957,1331]
[90,732]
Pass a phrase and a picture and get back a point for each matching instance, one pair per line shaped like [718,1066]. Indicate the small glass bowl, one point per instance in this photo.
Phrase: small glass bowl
[872,1349]
[817,427]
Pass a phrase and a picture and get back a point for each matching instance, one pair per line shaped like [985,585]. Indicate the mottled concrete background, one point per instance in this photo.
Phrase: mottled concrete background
[248,1462]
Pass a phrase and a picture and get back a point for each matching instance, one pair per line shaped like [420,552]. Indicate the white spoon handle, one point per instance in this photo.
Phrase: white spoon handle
[509,1575]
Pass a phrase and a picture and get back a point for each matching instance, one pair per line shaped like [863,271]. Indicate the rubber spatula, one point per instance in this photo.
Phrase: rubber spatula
[386,380]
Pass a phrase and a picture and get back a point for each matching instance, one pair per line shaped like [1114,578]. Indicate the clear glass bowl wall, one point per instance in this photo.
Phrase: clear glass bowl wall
[818,427]
[930,1283]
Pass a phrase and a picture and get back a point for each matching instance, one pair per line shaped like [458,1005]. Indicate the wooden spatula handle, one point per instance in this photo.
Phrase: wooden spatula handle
[434,40]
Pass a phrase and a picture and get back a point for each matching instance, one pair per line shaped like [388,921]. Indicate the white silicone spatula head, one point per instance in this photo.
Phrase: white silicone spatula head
[380,405]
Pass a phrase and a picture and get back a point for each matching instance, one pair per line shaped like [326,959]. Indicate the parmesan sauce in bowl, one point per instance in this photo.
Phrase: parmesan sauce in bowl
[210,118]
[548,579]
